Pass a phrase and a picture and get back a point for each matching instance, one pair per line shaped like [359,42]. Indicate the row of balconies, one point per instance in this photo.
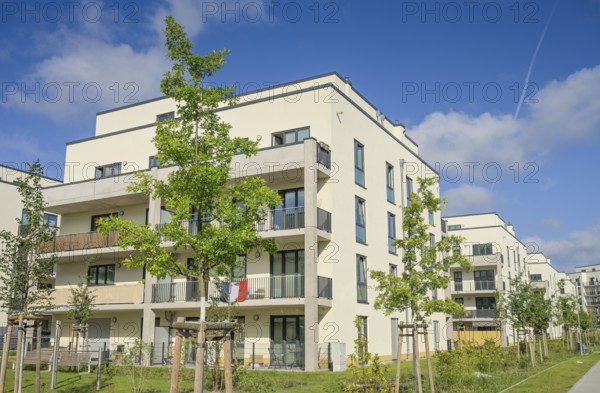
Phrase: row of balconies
[472,286]
[277,219]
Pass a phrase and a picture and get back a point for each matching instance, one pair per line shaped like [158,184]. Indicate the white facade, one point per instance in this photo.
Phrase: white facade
[497,256]
[322,243]
[587,283]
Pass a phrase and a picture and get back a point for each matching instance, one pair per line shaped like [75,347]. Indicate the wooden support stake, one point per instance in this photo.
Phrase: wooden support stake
[400,338]
[19,353]
[227,365]
[429,366]
[416,356]
[176,364]
[5,350]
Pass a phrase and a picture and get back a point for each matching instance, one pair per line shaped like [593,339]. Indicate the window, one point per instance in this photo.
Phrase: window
[431,239]
[409,190]
[391,232]
[101,275]
[359,163]
[459,300]
[361,279]
[458,284]
[484,280]
[535,277]
[95,219]
[485,303]
[50,220]
[165,116]
[393,270]
[361,230]
[239,270]
[364,332]
[482,249]
[290,136]
[454,227]
[153,162]
[389,182]
[434,293]
[430,216]
[108,170]
[456,250]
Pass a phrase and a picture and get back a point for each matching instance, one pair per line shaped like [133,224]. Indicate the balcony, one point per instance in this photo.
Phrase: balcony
[259,288]
[110,297]
[472,286]
[472,314]
[323,155]
[81,241]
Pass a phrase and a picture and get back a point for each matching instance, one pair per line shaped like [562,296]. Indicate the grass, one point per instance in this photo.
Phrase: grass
[558,374]
[558,379]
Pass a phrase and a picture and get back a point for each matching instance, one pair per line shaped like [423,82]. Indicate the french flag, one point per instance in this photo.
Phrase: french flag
[234,291]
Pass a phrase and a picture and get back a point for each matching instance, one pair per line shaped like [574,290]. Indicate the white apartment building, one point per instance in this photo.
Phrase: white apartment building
[545,277]
[587,283]
[497,256]
[343,170]
[11,206]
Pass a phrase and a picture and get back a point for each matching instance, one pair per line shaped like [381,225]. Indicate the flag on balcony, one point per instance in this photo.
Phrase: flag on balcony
[243,291]
[230,292]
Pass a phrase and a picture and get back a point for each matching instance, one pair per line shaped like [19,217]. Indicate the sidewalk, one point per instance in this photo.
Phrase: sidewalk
[590,383]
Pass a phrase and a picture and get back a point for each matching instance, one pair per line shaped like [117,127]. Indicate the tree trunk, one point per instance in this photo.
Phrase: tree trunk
[532,348]
[5,351]
[199,372]
[400,338]
[227,365]
[518,347]
[19,354]
[541,352]
[38,359]
[417,360]
[429,366]
[176,364]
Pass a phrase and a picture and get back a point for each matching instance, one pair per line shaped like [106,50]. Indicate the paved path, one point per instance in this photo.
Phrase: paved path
[590,383]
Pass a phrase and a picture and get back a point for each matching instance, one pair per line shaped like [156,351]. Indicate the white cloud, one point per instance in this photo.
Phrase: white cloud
[567,110]
[575,249]
[468,198]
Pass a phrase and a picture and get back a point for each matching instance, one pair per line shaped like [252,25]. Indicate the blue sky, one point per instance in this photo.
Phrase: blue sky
[452,72]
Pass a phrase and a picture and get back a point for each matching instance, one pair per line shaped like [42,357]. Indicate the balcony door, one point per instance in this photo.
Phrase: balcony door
[485,307]
[287,274]
[458,281]
[484,280]
[192,284]
[289,214]
[287,339]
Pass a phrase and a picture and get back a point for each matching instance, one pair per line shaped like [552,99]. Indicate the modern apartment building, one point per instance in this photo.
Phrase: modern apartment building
[587,283]
[11,206]
[545,277]
[343,170]
[497,256]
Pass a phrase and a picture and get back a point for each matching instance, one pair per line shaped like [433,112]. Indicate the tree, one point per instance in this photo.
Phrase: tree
[25,268]
[520,307]
[566,315]
[81,304]
[198,192]
[542,315]
[425,264]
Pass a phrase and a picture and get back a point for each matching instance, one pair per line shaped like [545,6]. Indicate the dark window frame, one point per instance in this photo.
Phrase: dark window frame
[96,275]
[359,164]
[360,202]
[281,136]
[165,116]
[389,182]
[391,221]
[101,171]
[94,220]
[361,286]
[409,190]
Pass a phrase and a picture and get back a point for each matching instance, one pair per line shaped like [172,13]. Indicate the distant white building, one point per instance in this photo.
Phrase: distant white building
[587,282]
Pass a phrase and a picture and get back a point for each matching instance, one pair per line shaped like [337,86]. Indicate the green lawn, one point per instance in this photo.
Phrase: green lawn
[558,379]
[555,376]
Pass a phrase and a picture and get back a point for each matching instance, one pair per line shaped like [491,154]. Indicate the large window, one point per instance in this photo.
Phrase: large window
[393,270]
[409,190]
[108,170]
[430,217]
[101,275]
[96,219]
[484,280]
[361,279]
[391,219]
[458,281]
[535,277]
[359,163]
[389,182]
[290,136]
[485,303]
[50,220]
[483,249]
[361,226]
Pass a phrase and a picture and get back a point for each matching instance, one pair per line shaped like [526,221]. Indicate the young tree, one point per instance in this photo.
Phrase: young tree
[566,315]
[519,308]
[81,304]
[425,264]
[542,315]
[198,192]
[24,266]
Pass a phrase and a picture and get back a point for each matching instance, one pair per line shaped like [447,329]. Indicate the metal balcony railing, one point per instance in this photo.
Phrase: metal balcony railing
[323,155]
[81,241]
[273,287]
[470,314]
[323,220]
[466,286]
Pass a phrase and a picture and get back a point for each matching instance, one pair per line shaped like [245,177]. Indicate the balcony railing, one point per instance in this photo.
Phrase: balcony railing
[470,314]
[473,286]
[81,241]
[274,287]
[323,220]
[323,155]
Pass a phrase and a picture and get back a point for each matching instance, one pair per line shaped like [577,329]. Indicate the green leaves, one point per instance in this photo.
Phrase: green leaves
[425,264]
[81,304]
